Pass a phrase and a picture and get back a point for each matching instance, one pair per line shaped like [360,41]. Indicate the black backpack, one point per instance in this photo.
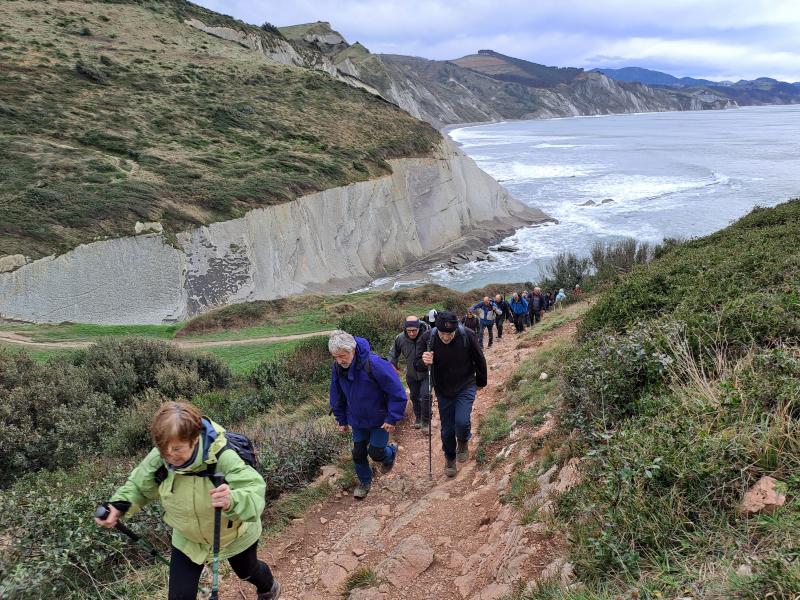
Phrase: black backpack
[238,442]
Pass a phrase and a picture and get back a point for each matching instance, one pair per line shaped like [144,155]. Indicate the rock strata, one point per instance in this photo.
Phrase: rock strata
[333,240]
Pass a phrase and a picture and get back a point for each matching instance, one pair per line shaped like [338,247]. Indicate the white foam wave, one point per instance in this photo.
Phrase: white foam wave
[522,171]
[628,188]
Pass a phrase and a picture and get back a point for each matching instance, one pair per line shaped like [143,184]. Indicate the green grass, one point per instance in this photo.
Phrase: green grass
[682,394]
[88,332]
[292,506]
[363,577]
[242,359]
[37,354]
[147,119]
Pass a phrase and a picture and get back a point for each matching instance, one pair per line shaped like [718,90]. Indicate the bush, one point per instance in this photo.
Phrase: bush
[70,408]
[51,546]
[379,326]
[290,457]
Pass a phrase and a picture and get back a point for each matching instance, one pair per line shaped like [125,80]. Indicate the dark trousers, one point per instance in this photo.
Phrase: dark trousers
[519,322]
[455,414]
[499,323]
[488,326]
[184,575]
[536,316]
[371,443]
[420,397]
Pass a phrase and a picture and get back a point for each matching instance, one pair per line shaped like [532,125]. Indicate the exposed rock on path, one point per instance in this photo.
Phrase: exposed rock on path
[448,539]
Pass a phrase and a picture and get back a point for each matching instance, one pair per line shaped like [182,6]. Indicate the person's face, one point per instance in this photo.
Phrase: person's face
[412,332]
[177,452]
[446,337]
[486,301]
[344,358]
[497,298]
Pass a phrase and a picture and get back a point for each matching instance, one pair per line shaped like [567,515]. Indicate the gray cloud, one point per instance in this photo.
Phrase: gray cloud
[718,39]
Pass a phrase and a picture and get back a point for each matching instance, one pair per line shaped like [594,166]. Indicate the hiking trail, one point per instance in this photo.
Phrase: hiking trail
[448,539]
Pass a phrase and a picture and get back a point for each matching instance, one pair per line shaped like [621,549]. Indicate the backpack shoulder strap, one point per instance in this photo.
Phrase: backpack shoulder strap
[462,330]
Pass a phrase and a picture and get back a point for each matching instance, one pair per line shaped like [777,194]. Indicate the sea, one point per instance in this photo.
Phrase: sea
[644,176]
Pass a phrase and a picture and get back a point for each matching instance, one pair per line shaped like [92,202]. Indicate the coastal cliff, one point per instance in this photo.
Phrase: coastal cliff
[336,239]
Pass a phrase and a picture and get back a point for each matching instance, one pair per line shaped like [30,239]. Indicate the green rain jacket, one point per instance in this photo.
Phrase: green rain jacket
[187,503]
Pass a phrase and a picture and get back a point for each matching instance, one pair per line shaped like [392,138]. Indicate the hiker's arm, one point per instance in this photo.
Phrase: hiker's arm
[394,353]
[247,488]
[338,401]
[396,399]
[421,349]
[141,487]
[479,360]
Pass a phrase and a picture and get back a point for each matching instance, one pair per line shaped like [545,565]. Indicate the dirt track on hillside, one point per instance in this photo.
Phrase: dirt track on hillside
[448,539]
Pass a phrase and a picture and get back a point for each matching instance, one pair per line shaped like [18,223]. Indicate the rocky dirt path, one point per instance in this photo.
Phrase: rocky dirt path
[448,539]
[20,339]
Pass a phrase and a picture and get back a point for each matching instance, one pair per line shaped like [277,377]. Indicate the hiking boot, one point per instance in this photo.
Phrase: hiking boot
[361,490]
[450,468]
[425,425]
[418,424]
[273,594]
[462,450]
[386,468]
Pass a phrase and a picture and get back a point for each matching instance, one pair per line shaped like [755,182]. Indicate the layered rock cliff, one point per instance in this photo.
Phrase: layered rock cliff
[490,86]
[336,239]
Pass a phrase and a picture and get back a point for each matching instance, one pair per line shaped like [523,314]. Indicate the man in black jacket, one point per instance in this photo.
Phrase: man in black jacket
[406,345]
[505,309]
[458,370]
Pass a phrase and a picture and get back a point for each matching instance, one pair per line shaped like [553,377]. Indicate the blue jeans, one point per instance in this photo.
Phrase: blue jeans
[455,413]
[370,443]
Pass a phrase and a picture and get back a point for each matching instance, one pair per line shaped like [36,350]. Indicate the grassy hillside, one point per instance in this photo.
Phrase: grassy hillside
[682,393]
[117,112]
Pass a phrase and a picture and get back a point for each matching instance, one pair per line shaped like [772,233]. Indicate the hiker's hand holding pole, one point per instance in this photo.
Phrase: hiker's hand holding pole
[344,428]
[221,497]
[387,427]
[112,518]
[427,358]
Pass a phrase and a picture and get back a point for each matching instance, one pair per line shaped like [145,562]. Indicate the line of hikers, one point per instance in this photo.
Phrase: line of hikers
[200,485]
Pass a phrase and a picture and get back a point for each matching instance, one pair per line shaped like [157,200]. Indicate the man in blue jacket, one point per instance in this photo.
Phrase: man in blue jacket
[366,395]
[519,308]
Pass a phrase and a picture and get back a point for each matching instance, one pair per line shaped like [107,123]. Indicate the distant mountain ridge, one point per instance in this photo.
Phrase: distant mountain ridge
[489,86]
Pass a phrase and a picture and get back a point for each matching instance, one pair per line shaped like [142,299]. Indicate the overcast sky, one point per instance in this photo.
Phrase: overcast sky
[714,39]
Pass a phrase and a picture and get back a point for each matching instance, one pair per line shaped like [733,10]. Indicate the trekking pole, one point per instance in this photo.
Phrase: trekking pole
[430,421]
[217,479]
[102,512]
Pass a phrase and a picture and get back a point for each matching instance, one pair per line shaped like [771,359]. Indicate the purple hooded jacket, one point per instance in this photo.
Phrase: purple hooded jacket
[367,400]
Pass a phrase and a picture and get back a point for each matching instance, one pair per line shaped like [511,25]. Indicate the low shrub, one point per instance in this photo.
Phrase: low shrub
[291,456]
[51,546]
[378,325]
[71,406]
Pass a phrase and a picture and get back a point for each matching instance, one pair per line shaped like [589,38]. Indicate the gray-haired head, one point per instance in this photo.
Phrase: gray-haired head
[341,341]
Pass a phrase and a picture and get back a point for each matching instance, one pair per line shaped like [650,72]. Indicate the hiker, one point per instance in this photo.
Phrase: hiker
[430,318]
[519,309]
[405,345]
[560,297]
[470,321]
[487,312]
[549,299]
[188,449]
[505,314]
[367,396]
[458,369]
[526,317]
[536,306]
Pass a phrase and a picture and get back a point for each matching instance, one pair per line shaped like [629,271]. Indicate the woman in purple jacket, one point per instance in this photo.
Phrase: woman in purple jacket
[366,395]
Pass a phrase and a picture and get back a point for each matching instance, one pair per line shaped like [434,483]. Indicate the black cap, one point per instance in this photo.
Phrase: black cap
[446,322]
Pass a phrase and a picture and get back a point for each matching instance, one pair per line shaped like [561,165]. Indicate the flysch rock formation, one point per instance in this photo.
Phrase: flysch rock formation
[281,51]
[337,239]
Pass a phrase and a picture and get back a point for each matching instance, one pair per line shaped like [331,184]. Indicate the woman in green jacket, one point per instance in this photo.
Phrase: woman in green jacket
[175,472]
